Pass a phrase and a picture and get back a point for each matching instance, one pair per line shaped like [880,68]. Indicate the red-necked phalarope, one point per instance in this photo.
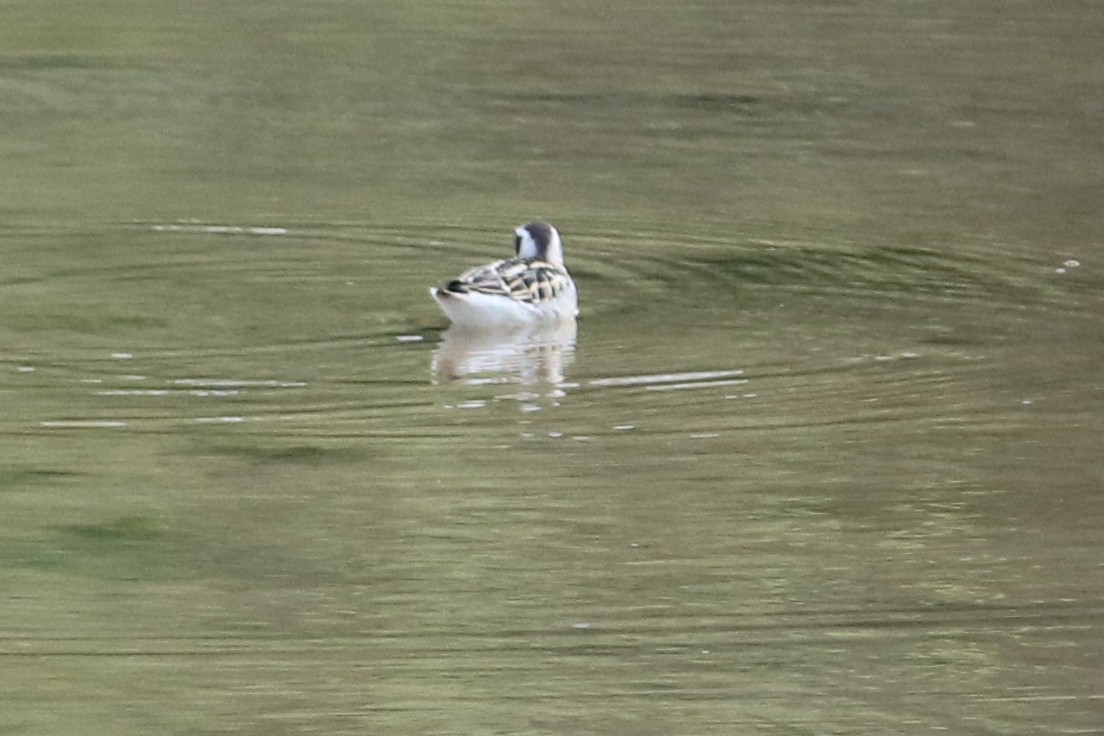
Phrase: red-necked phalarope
[533,286]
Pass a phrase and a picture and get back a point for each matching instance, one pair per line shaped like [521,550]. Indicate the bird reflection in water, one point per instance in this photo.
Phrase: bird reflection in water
[528,354]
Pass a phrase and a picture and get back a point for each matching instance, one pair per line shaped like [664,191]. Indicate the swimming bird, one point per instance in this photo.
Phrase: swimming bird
[532,287]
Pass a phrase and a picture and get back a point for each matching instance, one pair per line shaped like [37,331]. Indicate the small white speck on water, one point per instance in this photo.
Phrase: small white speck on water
[523,396]
[473,404]
[623,427]
[581,438]
[222,382]
[122,356]
[133,392]
[580,625]
[1027,402]
[409,338]
[530,408]
[25,369]
[1071,263]
[910,356]
[555,435]
[196,226]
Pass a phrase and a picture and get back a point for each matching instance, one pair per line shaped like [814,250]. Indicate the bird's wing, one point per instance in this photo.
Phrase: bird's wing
[522,279]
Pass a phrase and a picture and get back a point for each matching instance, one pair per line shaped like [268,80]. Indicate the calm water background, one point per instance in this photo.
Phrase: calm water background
[824,456]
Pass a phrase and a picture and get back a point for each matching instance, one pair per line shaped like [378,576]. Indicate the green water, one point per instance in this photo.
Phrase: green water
[824,455]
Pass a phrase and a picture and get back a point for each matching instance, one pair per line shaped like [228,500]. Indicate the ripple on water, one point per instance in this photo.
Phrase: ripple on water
[675,381]
[339,313]
[681,270]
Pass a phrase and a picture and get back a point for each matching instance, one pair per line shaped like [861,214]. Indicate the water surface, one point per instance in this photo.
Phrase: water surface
[822,455]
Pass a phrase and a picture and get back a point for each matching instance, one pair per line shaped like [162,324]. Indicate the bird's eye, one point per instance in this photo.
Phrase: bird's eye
[517,244]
